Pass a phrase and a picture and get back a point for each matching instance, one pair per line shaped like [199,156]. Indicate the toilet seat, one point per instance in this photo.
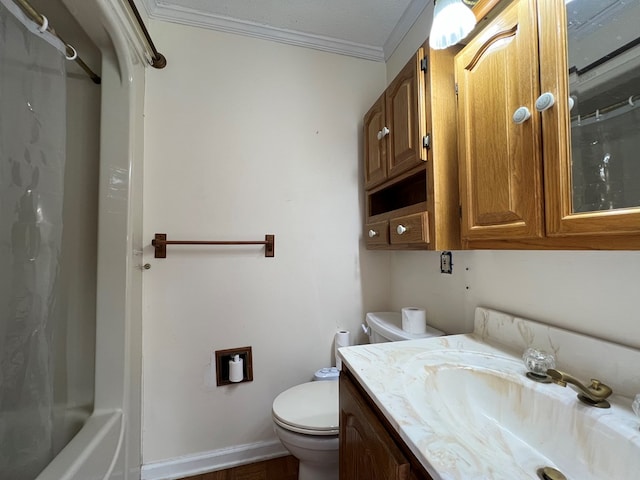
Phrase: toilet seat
[310,408]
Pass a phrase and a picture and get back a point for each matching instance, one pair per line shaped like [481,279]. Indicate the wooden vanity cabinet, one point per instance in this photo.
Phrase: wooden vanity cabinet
[514,161]
[369,448]
[410,158]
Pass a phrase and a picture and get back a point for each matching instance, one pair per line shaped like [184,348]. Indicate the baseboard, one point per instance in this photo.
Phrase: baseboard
[222,459]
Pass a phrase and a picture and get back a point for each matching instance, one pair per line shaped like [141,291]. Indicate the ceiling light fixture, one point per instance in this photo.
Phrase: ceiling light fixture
[452,21]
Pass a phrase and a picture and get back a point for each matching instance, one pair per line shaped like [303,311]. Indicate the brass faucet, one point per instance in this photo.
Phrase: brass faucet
[594,395]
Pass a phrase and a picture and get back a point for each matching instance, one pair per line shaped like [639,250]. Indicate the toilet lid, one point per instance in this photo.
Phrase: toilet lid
[310,408]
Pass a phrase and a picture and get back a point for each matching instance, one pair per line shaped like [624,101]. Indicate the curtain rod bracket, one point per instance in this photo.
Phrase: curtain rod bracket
[159,61]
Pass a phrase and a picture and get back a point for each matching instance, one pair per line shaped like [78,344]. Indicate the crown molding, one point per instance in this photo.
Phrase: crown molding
[159,10]
[409,17]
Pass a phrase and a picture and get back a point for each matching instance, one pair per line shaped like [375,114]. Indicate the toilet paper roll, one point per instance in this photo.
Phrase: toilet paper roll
[236,370]
[414,320]
[342,339]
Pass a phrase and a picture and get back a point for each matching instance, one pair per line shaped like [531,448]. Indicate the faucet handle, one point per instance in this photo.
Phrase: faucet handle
[537,363]
[599,388]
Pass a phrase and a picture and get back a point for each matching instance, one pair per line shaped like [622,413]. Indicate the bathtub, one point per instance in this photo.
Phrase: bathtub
[107,445]
[93,453]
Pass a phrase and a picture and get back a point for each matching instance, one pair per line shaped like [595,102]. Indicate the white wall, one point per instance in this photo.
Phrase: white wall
[589,292]
[245,137]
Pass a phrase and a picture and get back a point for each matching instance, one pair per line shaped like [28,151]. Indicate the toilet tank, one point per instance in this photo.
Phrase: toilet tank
[387,327]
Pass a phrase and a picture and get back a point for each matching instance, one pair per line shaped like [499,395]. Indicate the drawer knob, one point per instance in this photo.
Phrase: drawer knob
[373,233]
[401,229]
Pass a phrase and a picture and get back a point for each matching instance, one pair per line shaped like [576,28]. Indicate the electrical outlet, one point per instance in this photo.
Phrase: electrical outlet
[446,262]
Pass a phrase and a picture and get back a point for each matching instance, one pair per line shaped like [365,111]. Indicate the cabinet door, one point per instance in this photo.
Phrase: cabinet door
[591,150]
[500,161]
[367,451]
[405,111]
[375,151]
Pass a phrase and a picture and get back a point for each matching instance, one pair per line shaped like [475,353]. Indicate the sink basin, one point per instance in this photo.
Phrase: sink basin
[485,419]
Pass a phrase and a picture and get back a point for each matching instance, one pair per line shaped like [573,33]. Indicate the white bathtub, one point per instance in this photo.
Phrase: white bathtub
[93,454]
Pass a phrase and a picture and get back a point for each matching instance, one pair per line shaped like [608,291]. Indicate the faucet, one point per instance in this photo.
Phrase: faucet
[593,395]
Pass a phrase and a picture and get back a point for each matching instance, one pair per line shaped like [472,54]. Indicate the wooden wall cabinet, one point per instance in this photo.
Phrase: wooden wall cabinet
[514,161]
[369,450]
[410,158]
[395,125]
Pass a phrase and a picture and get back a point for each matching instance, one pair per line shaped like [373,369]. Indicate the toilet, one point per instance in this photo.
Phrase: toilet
[387,327]
[306,422]
[306,416]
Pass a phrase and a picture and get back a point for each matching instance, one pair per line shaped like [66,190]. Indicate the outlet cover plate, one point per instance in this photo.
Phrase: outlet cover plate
[446,262]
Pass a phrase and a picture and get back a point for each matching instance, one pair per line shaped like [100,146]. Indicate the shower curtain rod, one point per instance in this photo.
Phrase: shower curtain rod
[627,105]
[28,9]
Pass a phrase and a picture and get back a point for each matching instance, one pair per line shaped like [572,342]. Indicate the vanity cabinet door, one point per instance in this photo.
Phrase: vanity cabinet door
[367,451]
[500,150]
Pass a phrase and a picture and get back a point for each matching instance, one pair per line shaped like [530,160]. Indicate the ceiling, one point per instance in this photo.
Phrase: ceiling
[369,29]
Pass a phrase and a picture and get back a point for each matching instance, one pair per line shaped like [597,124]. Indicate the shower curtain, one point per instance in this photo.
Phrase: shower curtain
[32,158]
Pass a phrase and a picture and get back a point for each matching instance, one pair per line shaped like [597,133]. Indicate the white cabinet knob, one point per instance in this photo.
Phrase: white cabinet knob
[401,229]
[521,115]
[545,101]
[372,233]
[383,133]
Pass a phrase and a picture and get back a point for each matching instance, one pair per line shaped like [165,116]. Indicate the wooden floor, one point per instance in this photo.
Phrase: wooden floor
[283,468]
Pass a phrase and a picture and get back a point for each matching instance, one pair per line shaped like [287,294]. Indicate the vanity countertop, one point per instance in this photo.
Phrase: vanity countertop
[385,370]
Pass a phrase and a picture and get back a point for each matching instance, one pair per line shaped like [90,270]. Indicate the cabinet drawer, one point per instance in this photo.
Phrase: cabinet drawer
[411,229]
[376,233]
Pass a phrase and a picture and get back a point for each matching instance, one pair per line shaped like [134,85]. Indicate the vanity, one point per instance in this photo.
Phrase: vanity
[462,407]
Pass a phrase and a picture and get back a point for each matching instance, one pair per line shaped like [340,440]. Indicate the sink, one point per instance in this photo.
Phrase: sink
[485,419]
[465,410]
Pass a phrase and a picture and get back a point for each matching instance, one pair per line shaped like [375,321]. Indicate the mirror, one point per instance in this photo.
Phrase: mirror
[604,84]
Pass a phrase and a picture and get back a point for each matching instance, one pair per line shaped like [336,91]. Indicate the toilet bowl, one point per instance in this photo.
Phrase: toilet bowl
[306,422]
[306,416]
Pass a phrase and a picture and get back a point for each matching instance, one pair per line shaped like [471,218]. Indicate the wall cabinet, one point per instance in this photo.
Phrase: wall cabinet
[395,126]
[521,180]
[410,158]
[368,450]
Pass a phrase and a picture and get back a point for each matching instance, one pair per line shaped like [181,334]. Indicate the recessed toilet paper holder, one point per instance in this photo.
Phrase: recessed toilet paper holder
[222,365]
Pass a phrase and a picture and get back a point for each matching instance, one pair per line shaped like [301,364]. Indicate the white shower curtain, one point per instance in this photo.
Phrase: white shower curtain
[32,157]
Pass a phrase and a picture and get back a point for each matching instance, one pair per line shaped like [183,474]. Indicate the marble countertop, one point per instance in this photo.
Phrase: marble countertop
[380,369]
[384,369]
